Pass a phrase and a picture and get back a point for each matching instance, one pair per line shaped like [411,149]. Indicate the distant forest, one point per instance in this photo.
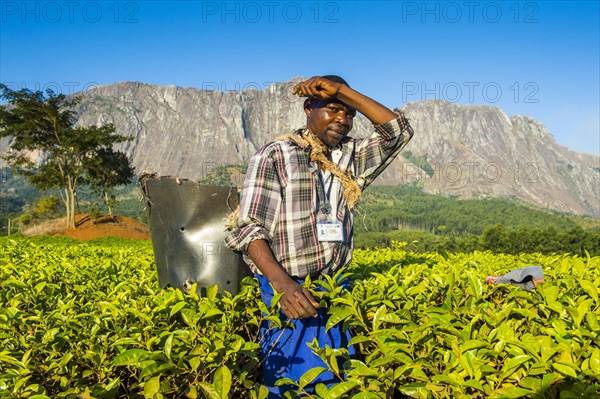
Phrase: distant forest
[436,223]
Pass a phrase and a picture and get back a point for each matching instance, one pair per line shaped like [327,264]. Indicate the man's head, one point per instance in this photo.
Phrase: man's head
[329,119]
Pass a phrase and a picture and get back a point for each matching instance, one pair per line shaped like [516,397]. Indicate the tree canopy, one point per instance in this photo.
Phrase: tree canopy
[51,151]
[107,170]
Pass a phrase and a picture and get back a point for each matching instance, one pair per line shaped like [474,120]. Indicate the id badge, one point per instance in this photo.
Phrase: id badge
[330,231]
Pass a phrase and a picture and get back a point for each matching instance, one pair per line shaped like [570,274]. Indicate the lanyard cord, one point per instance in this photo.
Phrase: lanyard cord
[323,198]
[328,206]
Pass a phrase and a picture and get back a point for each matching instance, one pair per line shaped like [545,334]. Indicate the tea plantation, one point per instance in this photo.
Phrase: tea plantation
[88,320]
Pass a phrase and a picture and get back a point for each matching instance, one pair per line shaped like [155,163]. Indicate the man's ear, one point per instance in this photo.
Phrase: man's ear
[308,106]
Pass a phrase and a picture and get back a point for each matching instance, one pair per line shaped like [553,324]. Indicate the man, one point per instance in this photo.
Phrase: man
[296,215]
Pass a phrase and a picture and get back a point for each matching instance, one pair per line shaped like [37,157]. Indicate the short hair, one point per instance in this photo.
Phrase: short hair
[336,79]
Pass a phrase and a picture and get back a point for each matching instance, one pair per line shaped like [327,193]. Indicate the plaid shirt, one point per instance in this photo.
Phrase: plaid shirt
[280,202]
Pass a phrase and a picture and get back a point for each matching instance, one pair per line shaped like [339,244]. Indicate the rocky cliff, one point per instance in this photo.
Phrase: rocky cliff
[467,151]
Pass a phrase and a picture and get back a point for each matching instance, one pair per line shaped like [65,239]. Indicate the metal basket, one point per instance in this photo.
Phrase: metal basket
[188,227]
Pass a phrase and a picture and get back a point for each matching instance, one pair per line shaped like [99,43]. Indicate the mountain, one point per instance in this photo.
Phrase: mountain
[465,151]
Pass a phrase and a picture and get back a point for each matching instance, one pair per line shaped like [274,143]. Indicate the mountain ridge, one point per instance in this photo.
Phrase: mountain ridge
[469,151]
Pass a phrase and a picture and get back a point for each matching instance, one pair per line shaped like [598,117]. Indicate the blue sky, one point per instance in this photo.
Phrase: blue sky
[535,58]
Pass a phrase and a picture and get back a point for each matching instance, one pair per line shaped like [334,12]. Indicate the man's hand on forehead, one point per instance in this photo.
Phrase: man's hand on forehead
[317,87]
[321,92]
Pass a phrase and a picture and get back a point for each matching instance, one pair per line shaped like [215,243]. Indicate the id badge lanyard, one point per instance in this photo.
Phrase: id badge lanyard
[329,229]
[327,208]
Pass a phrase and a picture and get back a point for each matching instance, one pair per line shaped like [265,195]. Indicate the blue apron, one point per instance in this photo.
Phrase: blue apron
[284,351]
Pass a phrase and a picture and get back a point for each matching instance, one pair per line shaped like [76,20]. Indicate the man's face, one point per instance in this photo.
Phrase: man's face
[329,120]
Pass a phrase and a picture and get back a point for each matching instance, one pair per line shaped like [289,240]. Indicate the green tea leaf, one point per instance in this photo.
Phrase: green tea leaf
[511,393]
[338,316]
[515,362]
[565,369]
[467,362]
[222,381]
[112,384]
[473,344]
[310,375]
[550,293]
[130,357]
[414,390]
[260,392]
[211,313]
[447,379]
[379,315]
[360,369]
[168,346]
[549,379]
[191,393]
[474,384]
[475,284]
[195,362]
[176,308]
[589,288]
[211,292]
[152,387]
[594,362]
[209,390]
[368,395]
[284,381]
[49,335]
[340,389]
[359,339]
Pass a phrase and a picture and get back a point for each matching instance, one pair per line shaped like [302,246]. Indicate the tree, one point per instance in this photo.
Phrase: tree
[107,170]
[46,146]
[494,238]
[42,209]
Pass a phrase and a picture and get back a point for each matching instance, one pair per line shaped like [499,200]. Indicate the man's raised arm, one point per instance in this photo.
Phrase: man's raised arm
[322,88]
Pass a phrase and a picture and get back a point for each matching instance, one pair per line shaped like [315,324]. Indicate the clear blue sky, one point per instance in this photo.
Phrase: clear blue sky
[536,58]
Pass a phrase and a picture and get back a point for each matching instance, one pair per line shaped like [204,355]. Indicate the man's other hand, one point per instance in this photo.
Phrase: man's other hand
[296,302]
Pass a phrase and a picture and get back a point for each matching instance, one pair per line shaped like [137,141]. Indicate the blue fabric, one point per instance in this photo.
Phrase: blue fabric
[284,351]
[524,277]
